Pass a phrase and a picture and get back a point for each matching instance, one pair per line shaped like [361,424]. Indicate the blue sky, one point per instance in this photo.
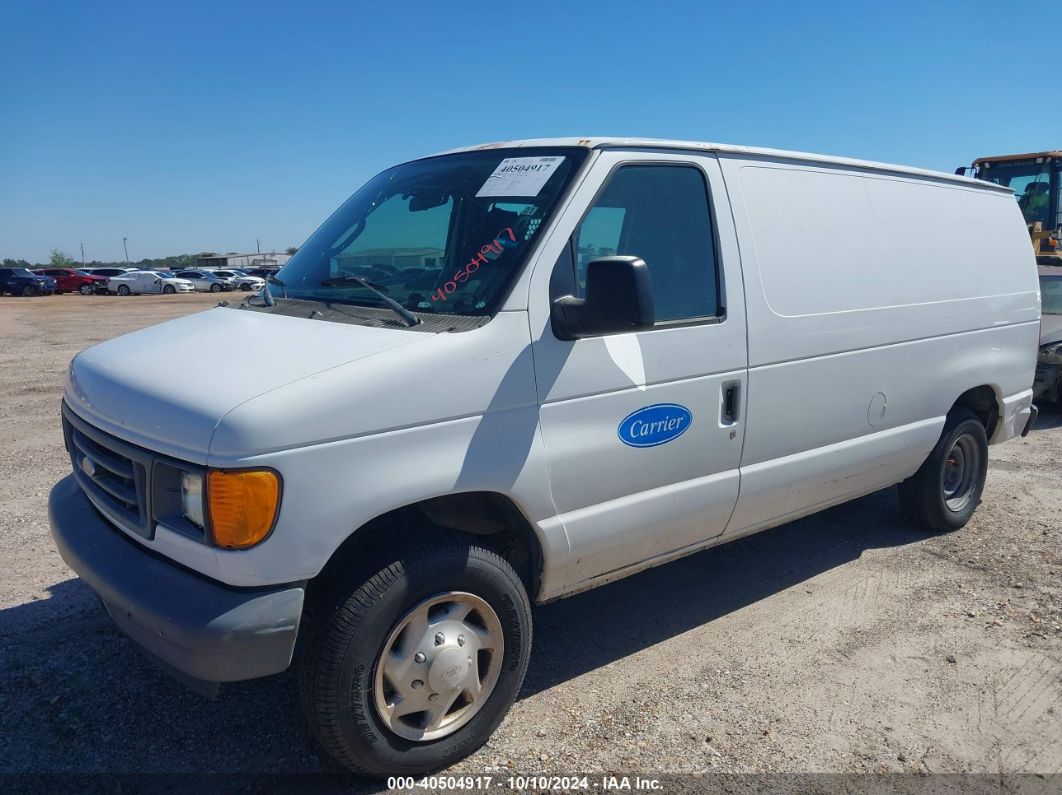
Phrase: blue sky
[190,126]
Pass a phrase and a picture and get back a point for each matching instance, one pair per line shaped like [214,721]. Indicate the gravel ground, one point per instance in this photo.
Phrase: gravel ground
[841,643]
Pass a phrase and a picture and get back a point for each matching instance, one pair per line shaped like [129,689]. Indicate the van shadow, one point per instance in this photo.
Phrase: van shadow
[79,698]
[587,631]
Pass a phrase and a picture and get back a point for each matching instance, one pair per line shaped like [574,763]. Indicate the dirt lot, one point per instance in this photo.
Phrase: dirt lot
[846,642]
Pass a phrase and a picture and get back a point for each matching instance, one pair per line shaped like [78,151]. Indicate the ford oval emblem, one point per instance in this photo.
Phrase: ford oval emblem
[88,467]
[657,424]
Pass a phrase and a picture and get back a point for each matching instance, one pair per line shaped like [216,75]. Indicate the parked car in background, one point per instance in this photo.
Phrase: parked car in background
[206,281]
[242,281]
[1048,383]
[227,277]
[139,282]
[20,281]
[262,273]
[74,280]
[108,272]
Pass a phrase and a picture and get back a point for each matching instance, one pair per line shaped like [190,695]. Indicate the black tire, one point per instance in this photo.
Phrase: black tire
[215,288]
[28,291]
[86,289]
[245,287]
[937,499]
[341,646]
[169,289]
[123,289]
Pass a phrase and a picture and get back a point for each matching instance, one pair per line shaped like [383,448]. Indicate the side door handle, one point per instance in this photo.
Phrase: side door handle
[731,402]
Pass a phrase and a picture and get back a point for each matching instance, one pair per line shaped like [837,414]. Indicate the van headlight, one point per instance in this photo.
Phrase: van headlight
[229,508]
[192,498]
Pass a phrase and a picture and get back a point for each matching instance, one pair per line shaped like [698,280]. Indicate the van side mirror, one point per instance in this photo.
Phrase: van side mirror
[619,297]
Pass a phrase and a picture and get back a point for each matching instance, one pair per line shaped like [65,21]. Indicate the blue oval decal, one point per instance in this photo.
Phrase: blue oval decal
[657,424]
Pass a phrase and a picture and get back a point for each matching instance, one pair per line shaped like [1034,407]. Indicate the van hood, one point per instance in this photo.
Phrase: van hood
[1050,329]
[168,386]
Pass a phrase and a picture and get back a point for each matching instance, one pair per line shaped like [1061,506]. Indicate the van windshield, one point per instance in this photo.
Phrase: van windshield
[444,235]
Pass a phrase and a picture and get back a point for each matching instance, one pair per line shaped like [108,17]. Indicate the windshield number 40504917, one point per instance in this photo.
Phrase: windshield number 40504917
[486,254]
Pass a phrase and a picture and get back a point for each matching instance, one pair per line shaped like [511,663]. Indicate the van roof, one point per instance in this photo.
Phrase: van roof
[703,146]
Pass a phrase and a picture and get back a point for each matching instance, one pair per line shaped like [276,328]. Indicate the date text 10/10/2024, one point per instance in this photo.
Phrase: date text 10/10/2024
[526,783]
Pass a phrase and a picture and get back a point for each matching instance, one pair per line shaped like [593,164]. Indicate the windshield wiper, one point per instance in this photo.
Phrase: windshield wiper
[267,296]
[278,283]
[401,311]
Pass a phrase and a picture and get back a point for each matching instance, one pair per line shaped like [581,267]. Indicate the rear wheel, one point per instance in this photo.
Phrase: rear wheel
[943,494]
[86,289]
[415,667]
[123,289]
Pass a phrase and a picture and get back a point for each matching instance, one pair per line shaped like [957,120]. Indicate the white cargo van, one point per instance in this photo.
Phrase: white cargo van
[508,373]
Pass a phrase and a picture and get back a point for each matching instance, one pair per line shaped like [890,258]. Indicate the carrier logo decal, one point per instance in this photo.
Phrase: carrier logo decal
[653,425]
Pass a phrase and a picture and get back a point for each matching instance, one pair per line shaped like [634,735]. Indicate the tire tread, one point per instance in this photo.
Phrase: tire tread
[331,624]
[919,497]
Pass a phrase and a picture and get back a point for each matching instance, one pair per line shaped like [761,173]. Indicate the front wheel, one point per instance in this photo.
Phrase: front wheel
[414,668]
[169,289]
[28,291]
[215,288]
[245,287]
[943,494]
[86,289]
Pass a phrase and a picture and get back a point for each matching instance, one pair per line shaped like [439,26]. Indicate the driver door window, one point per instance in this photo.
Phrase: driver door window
[660,214]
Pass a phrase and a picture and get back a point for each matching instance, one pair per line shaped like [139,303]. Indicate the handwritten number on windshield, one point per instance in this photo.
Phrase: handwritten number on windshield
[486,254]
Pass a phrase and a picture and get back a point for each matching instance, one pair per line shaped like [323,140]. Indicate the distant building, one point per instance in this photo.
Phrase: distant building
[397,258]
[264,259]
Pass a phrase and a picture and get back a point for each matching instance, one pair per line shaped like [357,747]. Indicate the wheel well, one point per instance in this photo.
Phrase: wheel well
[489,519]
[981,401]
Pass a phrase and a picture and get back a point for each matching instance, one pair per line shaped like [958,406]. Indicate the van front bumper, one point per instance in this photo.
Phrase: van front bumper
[196,627]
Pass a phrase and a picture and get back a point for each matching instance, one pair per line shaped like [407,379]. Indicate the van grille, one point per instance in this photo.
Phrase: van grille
[112,474]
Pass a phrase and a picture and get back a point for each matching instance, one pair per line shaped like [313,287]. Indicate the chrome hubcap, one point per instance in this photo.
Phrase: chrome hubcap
[438,666]
[960,473]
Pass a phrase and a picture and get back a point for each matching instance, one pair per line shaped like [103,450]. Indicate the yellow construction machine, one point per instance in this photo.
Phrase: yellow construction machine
[1035,179]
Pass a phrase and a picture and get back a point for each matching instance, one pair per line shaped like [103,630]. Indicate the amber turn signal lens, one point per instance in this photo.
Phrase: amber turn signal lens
[242,506]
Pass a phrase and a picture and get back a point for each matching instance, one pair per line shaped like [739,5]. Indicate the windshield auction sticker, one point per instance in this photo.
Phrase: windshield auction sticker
[520,176]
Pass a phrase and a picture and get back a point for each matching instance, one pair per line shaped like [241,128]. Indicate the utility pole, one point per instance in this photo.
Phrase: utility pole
[258,243]
[82,255]
[126,250]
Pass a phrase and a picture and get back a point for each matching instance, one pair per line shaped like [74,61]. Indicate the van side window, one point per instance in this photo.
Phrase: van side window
[658,213]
